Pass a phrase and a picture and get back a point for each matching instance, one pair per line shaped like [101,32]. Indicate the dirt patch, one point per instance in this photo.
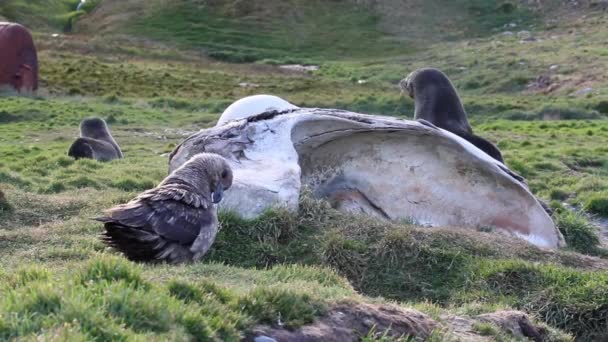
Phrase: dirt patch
[516,323]
[32,210]
[573,85]
[351,322]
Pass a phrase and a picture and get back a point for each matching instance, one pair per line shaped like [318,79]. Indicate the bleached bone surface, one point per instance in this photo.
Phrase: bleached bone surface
[386,167]
[252,105]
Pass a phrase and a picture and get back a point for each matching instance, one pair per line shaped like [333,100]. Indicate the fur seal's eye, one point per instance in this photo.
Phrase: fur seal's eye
[224,174]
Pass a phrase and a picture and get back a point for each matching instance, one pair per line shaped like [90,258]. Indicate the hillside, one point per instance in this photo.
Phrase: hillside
[532,78]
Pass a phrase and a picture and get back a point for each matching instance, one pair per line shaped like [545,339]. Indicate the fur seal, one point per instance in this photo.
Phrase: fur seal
[95,142]
[176,221]
[437,102]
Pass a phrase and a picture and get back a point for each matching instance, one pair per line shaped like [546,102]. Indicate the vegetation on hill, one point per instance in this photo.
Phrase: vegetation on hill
[47,14]
[160,70]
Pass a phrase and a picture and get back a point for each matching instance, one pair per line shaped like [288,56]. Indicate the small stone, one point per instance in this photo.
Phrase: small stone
[507,33]
[524,34]
[300,67]
[529,39]
[554,67]
[248,85]
[361,81]
[264,339]
[583,91]
[368,323]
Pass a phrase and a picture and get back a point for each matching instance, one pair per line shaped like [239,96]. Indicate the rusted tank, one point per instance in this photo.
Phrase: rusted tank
[18,58]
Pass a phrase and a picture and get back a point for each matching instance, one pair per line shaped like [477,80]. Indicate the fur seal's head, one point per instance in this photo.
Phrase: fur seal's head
[425,78]
[436,100]
[95,128]
[207,172]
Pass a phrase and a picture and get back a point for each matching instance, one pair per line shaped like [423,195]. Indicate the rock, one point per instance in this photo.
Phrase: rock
[252,105]
[528,39]
[248,85]
[507,33]
[524,34]
[553,67]
[299,67]
[541,83]
[264,339]
[583,92]
[361,81]
[601,5]
[381,166]
[511,25]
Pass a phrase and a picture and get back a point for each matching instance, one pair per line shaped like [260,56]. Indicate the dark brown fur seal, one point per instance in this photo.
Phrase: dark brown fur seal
[176,221]
[438,103]
[95,142]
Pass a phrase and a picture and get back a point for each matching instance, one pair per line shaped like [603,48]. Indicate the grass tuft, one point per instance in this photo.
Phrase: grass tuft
[579,233]
[598,204]
[281,307]
[112,269]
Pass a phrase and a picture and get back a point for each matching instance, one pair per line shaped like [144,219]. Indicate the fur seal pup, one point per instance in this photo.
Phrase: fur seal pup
[176,221]
[437,102]
[95,142]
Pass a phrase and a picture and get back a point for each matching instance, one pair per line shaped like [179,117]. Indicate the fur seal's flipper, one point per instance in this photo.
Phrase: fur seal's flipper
[486,146]
[426,123]
[81,149]
[93,149]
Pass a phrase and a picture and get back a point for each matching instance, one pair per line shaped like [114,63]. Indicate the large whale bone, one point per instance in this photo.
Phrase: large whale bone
[382,166]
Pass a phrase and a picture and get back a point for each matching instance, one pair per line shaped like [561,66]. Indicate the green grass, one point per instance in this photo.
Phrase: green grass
[53,14]
[313,32]
[579,233]
[109,299]
[59,282]
[598,204]
[309,31]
